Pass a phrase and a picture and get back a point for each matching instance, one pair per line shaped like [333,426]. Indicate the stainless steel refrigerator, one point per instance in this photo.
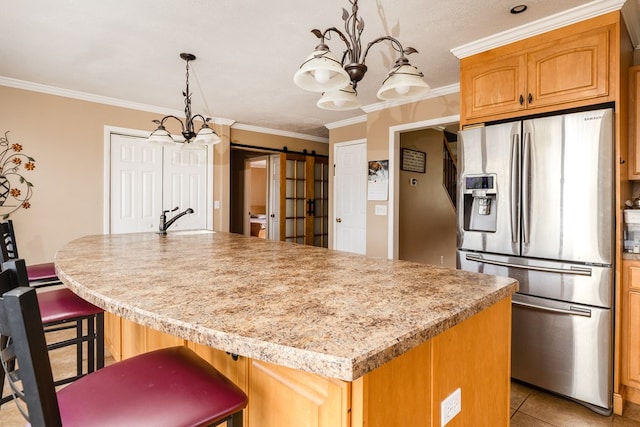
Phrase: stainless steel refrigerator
[536,203]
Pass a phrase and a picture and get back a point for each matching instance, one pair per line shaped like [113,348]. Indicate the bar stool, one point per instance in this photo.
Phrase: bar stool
[39,274]
[61,309]
[168,387]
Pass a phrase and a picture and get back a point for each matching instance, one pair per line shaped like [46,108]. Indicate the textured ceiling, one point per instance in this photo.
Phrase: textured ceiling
[247,50]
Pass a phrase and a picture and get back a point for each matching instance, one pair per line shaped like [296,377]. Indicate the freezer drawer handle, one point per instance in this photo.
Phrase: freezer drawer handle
[574,311]
[515,186]
[580,271]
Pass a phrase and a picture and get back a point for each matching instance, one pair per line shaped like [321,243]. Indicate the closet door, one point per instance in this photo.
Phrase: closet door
[185,185]
[136,184]
[145,179]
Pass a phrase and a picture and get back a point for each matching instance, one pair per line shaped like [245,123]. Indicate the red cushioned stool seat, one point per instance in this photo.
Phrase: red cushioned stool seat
[59,305]
[45,272]
[61,309]
[168,387]
[171,387]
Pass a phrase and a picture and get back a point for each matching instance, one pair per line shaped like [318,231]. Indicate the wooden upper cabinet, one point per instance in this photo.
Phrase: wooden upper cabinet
[567,72]
[494,87]
[573,69]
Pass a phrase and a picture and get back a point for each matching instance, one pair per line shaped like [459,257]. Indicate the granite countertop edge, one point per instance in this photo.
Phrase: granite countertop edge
[279,353]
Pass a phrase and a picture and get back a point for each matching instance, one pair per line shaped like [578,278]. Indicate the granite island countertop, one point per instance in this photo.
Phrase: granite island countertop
[331,313]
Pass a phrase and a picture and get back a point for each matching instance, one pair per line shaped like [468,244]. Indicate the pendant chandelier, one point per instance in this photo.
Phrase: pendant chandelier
[338,80]
[204,136]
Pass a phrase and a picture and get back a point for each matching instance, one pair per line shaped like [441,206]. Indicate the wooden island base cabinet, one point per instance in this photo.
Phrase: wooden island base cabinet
[407,391]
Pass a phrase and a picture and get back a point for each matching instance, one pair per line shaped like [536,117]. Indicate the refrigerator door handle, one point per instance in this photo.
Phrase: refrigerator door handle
[515,186]
[580,271]
[573,311]
[526,169]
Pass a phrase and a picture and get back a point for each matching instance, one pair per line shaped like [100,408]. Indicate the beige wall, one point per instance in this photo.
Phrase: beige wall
[66,138]
[258,201]
[377,135]
[427,218]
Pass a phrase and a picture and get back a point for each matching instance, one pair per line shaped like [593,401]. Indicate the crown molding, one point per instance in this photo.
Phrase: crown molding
[224,122]
[433,93]
[559,20]
[346,122]
[83,96]
[252,128]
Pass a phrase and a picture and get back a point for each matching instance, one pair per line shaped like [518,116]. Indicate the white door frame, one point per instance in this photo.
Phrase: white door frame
[334,192]
[273,197]
[106,190]
[394,173]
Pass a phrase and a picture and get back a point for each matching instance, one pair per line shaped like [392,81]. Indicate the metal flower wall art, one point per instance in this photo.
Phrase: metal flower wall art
[15,189]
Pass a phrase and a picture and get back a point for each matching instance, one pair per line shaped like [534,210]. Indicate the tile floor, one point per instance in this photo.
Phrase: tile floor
[530,407]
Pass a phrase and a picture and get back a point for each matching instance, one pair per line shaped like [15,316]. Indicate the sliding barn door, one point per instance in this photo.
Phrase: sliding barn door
[303,199]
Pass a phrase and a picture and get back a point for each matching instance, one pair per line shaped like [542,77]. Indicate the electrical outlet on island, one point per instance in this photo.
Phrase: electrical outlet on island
[450,407]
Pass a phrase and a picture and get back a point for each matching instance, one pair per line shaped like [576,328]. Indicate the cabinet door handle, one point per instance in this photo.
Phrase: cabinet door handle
[521,99]
[530,99]
[338,219]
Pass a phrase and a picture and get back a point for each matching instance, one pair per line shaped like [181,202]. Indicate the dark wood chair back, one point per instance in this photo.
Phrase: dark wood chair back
[23,346]
[9,248]
[17,269]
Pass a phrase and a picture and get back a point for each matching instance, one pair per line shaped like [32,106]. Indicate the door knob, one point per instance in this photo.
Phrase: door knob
[338,219]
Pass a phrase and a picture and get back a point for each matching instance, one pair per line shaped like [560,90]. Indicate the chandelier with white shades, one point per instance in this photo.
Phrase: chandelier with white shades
[337,80]
[204,136]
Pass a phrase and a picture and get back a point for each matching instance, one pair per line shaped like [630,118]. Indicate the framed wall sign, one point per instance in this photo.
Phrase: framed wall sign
[413,160]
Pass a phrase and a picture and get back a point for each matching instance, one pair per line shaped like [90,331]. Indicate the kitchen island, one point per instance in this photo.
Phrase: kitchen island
[314,336]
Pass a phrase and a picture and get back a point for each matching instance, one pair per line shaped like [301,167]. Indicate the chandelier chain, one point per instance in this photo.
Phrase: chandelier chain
[187,101]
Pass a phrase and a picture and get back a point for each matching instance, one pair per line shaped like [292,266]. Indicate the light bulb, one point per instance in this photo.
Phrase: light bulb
[339,103]
[402,90]
[322,76]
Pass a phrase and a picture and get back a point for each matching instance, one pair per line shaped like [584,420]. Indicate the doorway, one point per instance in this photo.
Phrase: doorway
[246,196]
[395,133]
[285,192]
[426,212]
[256,191]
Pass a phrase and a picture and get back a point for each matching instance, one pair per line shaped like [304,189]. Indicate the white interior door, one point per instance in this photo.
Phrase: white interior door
[136,185]
[145,179]
[185,185]
[350,197]
[274,198]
